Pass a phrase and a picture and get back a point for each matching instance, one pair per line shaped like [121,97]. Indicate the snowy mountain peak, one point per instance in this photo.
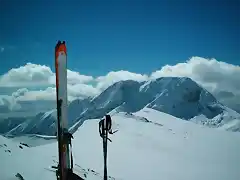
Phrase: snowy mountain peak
[178,96]
[181,97]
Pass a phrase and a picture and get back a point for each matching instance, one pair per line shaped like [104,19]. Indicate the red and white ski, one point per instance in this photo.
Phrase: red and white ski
[62,103]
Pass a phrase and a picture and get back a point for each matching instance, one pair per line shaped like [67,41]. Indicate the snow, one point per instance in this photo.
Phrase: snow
[228,120]
[49,113]
[180,97]
[233,125]
[148,145]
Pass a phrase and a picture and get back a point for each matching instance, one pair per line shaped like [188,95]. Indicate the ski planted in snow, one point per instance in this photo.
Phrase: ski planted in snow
[65,166]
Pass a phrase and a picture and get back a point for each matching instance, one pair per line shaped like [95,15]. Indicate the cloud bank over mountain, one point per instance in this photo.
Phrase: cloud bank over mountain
[35,83]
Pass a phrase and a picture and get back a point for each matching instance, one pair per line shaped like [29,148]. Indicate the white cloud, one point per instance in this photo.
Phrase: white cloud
[213,74]
[28,75]
[47,94]
[8,103]
[112,77]
[220,78]
[20,92]
[76,78]
[76,86]
[29,102]
[81,91]
[38,75]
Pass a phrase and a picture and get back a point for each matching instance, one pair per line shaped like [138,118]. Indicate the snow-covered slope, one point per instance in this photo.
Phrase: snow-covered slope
[45,123]
[10,123]
[42,123]
[148,145]
[180,97]
[227,120]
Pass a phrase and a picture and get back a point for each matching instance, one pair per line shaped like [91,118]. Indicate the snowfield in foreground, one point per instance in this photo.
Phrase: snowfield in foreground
[149,145]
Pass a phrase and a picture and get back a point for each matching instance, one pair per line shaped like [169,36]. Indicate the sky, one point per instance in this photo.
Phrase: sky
[108,41]
[134,35]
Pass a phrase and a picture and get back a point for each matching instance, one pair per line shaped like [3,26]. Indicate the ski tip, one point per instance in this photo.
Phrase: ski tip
[58,44]
[60,47]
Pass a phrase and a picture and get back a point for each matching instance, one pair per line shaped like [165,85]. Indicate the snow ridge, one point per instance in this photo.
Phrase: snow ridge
[149,144]
[178,96]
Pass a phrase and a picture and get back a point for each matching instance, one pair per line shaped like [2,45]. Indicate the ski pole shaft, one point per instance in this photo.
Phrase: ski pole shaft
[105,156]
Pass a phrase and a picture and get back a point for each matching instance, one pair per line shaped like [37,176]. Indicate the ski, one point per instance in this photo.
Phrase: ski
[61,92]
[64,171]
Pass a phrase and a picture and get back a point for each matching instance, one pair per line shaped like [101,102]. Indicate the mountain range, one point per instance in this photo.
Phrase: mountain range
[180,97]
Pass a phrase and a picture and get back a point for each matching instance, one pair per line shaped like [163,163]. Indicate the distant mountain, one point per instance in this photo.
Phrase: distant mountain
[182,98]
[177,96]
[10,123]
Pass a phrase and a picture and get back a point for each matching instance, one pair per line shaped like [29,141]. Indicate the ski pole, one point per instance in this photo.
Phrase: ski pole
[105,127]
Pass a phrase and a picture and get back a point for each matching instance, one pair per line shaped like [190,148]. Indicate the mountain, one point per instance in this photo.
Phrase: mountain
[179,97]
[45,123]
[228,119]
[10,123]
[149,144]
[182,98]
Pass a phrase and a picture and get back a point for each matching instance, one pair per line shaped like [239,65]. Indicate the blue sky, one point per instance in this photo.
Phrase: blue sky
[102,36]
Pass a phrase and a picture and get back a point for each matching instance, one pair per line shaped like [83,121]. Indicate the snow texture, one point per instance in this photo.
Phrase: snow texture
[148,145]
[178,96]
